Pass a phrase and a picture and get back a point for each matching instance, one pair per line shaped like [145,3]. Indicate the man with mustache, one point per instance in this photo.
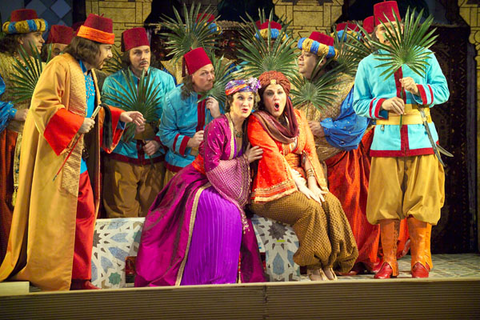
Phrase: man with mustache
[23,31]
[139,162]
[51,238]
[183,119]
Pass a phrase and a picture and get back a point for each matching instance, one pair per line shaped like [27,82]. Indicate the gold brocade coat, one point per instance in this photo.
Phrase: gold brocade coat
[41,243]
[324,149]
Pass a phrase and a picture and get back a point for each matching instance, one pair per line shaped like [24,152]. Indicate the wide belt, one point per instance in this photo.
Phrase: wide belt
[411,116]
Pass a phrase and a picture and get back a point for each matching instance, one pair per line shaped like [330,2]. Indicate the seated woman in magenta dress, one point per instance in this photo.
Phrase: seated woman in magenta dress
[196,229]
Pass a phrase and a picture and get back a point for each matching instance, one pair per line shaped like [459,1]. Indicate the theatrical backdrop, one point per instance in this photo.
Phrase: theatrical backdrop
[457,24]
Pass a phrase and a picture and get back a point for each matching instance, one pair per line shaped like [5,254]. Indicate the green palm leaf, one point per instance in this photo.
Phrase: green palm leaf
[138,95]
[408,46]
[28,69]
[189,34]
[351,49]
[261,55]
[319,91]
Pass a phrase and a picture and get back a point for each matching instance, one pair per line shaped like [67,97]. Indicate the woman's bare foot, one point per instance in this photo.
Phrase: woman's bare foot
[316,275]
[329,273]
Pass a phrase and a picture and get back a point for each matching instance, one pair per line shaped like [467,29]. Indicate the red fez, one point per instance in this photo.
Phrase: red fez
[196,59]
[321,38]
[205,16]
[60,34]
[97,28]
[368,24]
[23,14]
[273,25]
[385,10]
[133,38]
[350,26]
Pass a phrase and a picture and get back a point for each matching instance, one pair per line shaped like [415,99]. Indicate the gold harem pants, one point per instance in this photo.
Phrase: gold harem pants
[323,231]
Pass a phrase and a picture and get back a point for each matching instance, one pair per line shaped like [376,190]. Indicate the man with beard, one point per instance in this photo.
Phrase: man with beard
[183,120]
[51,238]
[140,161]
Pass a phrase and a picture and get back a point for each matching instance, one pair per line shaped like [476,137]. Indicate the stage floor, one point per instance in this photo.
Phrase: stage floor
[445,266]
[452,292]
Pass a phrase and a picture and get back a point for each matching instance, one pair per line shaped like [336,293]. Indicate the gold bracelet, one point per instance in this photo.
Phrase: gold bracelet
[310,173]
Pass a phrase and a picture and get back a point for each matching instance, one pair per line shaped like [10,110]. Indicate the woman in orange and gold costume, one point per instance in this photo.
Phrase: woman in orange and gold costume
[290,186]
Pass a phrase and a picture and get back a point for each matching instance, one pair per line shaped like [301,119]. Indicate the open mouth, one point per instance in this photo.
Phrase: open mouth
[276,106]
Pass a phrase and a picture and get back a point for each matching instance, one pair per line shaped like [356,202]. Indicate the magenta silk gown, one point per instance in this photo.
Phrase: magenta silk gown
[196,229]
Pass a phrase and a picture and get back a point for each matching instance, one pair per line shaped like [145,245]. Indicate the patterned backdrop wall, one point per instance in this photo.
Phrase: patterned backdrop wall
[54,11]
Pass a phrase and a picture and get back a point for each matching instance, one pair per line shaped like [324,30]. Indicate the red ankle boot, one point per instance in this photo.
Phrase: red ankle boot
[419,271]
[385,272]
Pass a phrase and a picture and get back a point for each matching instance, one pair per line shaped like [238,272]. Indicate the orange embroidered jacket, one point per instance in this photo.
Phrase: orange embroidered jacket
[273,179]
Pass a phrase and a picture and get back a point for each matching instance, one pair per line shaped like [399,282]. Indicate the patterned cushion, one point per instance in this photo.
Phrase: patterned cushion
[279,242]
[114,240]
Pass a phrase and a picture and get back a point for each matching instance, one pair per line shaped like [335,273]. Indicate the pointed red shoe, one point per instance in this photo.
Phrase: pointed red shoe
[82,285]
[419,271]
[385,272]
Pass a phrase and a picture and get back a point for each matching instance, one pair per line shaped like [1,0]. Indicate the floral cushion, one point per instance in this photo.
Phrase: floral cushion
[278,242]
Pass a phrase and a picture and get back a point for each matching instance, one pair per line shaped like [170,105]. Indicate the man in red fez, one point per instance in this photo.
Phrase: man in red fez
[51,239]
[23,32]
[134,171]
[183,119]
[406,180]
[58,39]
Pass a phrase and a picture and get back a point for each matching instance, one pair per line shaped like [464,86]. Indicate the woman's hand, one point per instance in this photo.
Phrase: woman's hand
[309,193]
[253,153]
[318,192]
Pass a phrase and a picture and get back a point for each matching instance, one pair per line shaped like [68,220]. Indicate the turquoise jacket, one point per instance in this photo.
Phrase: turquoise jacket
[132,151]
[371,90]
[180,121]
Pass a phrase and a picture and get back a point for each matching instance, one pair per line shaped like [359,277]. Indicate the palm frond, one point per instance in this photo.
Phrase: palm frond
[223,75]
[115,63]
[189,34]
[318,91]
[261,55]
[28,69]
[138,95]
[351,49]
[408,45]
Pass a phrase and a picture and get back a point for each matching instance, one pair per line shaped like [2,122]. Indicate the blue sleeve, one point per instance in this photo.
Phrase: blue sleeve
[364,103]
[346,131]
[7,111]
[435,91]
[169,132]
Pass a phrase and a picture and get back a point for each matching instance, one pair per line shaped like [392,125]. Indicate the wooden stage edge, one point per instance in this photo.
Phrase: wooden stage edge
[457,298]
